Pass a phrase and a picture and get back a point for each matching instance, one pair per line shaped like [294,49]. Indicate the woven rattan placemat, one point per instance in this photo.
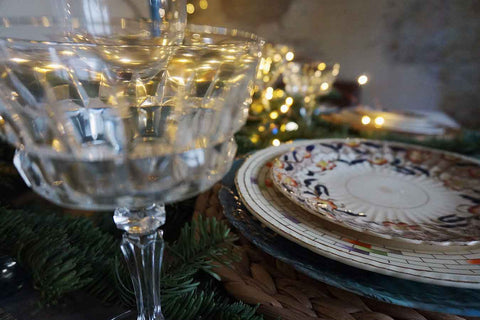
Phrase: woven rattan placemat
[283,292]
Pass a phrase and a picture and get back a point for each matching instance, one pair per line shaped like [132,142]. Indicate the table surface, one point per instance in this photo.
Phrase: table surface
[23,305]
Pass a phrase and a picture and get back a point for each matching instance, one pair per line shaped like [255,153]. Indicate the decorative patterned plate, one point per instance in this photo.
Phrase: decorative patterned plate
[391,190]
[459,301]
[455,266]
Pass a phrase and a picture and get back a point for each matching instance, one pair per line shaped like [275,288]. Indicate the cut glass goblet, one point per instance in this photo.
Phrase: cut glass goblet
[95,132]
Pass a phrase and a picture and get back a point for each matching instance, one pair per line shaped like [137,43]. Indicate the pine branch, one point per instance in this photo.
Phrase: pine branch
[203,305]
[56,266]
[200,243]
[65,254]
[62,254]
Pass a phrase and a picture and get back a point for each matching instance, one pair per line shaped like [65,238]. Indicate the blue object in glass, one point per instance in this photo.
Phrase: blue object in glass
[155,6]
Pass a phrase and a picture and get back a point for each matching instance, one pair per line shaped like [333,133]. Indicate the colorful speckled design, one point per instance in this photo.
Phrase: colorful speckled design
[456,266]
[388,189]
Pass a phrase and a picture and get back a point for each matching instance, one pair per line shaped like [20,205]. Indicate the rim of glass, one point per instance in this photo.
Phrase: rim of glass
[204,30]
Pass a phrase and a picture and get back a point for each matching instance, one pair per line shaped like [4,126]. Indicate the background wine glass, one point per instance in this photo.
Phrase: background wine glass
[309,80]
[88,140]
[274,60]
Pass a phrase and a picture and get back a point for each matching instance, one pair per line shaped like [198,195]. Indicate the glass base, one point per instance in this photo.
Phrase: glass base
[127,315]
[131,315]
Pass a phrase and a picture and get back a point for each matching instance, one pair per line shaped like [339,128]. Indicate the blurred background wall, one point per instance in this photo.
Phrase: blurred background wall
[418,54]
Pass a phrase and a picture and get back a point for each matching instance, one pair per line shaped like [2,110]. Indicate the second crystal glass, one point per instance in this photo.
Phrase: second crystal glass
[309,80]
[95,134]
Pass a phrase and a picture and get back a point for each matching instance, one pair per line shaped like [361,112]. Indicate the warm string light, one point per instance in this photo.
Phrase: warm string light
[279,93]
[291,126]
[379,121]
[336,69]
[203,4]
[275,104]
[255,138]
[366,120]
[257,107]
[269,93]
[362,80]
[191,8]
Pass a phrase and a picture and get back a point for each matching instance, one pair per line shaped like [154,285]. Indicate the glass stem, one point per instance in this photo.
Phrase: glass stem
[142,247]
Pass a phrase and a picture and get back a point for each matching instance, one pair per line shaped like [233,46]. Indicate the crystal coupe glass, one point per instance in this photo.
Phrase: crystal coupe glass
[309,80]
[128,126]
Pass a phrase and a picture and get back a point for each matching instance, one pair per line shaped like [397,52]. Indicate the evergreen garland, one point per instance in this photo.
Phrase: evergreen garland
[65,254]
[57,267]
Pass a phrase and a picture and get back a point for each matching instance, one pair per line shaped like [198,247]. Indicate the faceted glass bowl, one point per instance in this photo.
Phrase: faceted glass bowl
[157,126]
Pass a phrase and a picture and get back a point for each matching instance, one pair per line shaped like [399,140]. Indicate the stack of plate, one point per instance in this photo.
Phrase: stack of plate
[394,209]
